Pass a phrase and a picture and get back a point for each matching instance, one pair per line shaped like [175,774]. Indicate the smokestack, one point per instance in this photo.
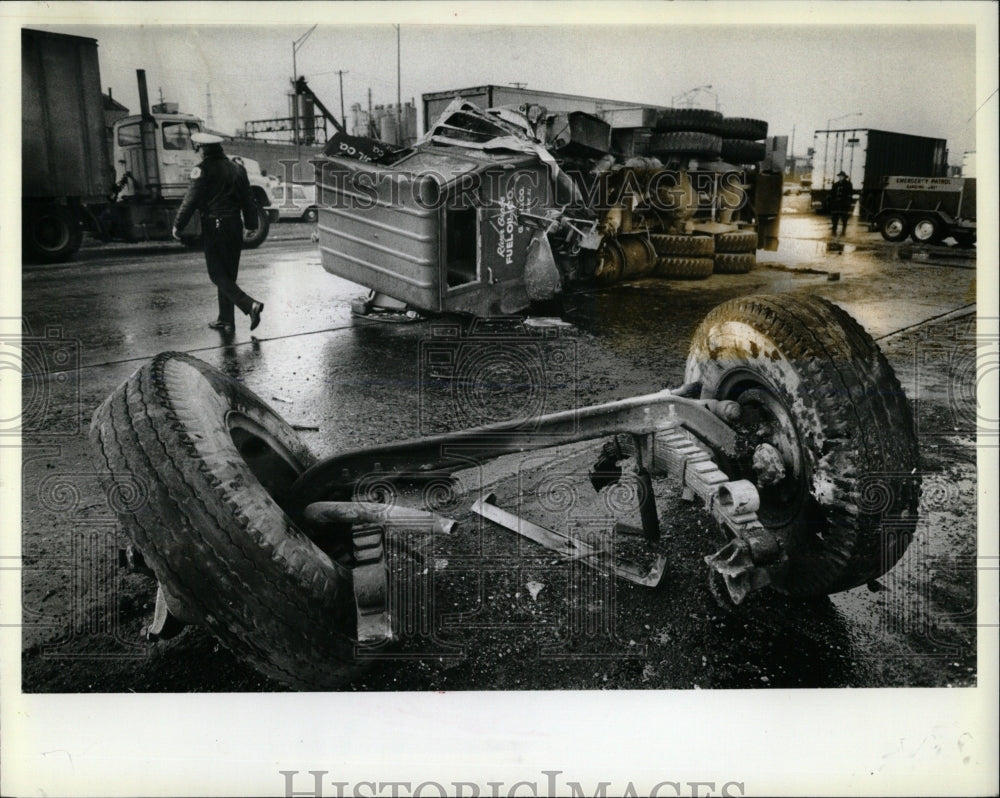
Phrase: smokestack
[150,179]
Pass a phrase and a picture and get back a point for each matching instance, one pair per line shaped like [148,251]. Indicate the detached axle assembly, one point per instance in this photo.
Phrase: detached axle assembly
[790,428]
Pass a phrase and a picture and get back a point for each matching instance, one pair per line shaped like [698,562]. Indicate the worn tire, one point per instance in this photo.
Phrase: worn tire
[805,370]
[195,446]
[686,268]
[50,233]
[254,238]
[734,262]
[736,241]
[685,143]
[694,246]
[741,151]
[738,127]
[699,120]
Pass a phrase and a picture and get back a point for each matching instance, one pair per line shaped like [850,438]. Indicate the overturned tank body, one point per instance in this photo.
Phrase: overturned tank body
[494,210]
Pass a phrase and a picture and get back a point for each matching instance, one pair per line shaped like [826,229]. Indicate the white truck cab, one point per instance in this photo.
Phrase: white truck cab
[175,157]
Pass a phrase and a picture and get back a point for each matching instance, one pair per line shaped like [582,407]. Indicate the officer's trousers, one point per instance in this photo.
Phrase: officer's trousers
[223,243]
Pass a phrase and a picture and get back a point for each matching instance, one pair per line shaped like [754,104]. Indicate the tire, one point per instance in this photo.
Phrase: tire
[736,241]
[926,230]
[693,246]
[311,215]
[687,143]
[699,120]
[735,262]
[254,238]
[639,256]
[210,462]
[740,151]
[686,268]
[815,385]
[894,227]
[738,127]
[51,233]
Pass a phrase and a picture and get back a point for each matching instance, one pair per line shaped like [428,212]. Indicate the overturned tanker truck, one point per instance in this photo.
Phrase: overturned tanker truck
[790,429]
[492,210]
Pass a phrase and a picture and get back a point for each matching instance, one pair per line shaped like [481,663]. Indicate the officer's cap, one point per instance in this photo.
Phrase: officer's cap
[206,138]
[839,174]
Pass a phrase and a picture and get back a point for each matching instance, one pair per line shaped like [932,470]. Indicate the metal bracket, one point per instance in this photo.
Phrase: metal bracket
[735,563]
[570,547]
[371,583]
[742,560]
[165,624]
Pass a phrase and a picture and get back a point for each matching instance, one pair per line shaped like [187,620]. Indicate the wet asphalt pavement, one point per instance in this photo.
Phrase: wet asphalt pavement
[502,613]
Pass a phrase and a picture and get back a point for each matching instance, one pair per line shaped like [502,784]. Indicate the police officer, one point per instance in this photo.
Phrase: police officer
[841,200]
[220,191]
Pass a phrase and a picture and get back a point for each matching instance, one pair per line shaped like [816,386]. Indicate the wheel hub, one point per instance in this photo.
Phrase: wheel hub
[923,230]
[894,228]
[772,455]
[768,465]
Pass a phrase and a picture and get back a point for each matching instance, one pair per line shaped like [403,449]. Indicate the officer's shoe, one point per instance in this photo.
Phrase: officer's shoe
[219,324]
[255,310]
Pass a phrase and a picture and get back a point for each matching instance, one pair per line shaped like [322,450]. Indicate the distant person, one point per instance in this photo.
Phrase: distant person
[220,191]
[841,200]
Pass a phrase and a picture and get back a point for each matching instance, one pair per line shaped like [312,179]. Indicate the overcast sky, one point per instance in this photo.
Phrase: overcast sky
[916,79]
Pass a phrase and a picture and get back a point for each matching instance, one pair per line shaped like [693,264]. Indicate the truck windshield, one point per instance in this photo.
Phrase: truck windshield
[129,135]
[177,135]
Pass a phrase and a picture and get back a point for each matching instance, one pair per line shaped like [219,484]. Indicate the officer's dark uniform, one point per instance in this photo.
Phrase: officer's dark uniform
[220,191]
[841,200]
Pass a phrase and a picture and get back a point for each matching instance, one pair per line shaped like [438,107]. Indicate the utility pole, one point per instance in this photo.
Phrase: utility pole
[209,116]
[343,119]
[161,94]
[400,138]
[517,85]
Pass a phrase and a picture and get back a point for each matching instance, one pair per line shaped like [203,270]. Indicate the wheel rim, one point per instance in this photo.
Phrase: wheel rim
[894,227]
[765,419]
[270,461]
[611,260]
[923,230]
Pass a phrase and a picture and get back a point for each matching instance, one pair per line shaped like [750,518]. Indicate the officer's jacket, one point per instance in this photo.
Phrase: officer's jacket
[219,188]
[842,195]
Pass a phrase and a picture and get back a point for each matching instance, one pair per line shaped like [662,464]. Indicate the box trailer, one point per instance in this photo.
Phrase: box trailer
[64,153]
[868,156]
